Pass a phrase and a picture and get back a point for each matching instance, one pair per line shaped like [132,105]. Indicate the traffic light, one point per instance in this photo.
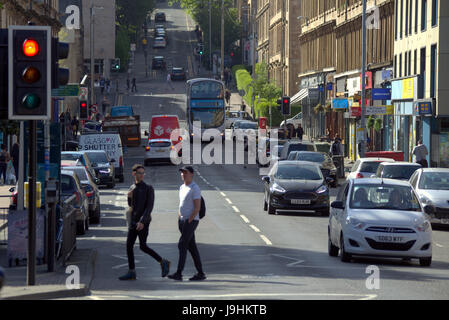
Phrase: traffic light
[115,65]
[279,104]
[59,51]
[84,113]
[29,72]
[3,74]
[286,106]
[232,54]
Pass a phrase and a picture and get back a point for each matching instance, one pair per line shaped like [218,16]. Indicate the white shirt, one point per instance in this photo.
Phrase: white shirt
[186,196]
[420,152]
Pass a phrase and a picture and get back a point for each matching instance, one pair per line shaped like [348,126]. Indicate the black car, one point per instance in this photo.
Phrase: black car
[178,74]
[295,186]
[159,17]
[103,166]
[158,62]
[296,145]
[327,166]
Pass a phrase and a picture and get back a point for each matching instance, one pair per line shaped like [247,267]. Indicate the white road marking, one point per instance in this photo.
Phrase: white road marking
[292,264]
[95,298]
[236,209]
[255,228]
[244,218]
[228,200]
[265,239]
[223,194]
[439,245]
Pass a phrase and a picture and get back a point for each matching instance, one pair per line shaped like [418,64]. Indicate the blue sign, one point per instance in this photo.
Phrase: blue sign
[207,103]
[329,86]
[340,104]
[381,94]
[424,108]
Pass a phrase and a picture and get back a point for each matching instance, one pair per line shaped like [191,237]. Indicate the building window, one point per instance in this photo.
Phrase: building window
[423,68]
[402,18]
[410,17]
[434,13]
[400,65]
[423,15]
[395,66]
[433,70]
[410,62]
[406,17]
[415,63]
[396,21]
[405,64]
[416,15]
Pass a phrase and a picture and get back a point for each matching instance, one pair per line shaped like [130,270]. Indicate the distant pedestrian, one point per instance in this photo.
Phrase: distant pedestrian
[141,200]
[134,87]
[299,132]
[15,153]
[102,84]
[336,147]
[169,82]
[75,126]
[189,208]
[4,159]
[108,86]
[420,152]
[228,96]
[127,84]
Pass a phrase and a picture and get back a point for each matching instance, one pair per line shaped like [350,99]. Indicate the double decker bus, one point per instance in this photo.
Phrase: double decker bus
[206,103]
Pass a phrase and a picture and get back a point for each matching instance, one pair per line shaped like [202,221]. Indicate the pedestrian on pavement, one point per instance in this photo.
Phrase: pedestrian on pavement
[75,124]
[189,208]
[169,81]
[134,87]
[15,153]
[141,200]
[102,84]
[127,84]
[420,152]
[228,96]
[299,132]
[336,147]
[108,86]
[4,158]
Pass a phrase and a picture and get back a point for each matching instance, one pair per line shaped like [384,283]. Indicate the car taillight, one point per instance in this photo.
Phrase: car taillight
[121,162]
[14,198]
[180,139]
[359,176]
[89,194]
[77,195]
[147,148]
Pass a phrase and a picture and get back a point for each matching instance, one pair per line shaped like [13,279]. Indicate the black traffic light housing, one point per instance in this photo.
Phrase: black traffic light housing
[29,72]
[59,51]
[286,106]
[3,74]
[84,111]
[279,104]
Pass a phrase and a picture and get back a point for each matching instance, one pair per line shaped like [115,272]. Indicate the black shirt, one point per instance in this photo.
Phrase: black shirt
[142,203]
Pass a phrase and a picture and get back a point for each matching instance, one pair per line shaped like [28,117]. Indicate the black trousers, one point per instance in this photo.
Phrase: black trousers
[132,237]
[187,242]
[3,167]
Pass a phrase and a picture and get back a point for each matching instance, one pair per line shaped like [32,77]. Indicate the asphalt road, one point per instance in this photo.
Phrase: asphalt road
[246,253]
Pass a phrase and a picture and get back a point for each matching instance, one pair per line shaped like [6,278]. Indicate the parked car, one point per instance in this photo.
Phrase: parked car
[396,170]
[296,145]
[432,188]
[178,73]
[379,217]
[103,166]
[233,116]
[158,62]
[366,167]
[297,119]
[92,126]
[159,42]
[296,185]
[159,17]
[273,149]
[81,157]
[72,191]
[327,166]
[89,185]
[158,150]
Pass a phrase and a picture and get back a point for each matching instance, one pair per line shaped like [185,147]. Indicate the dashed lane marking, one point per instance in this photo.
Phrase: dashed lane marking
[266,240]
[236,209]
[244,218]
[439,245]
[254,228]
[228,200]
[223,194]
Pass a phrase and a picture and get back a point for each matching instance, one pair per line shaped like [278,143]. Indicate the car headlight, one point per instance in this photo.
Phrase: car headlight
[423,226]
[321,189]
[105,171]
[427,201]
[355,223]
[277,188]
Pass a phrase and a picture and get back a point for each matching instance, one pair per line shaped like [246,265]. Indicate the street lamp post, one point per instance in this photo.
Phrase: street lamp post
[92,52]
[363,120]
[222,40]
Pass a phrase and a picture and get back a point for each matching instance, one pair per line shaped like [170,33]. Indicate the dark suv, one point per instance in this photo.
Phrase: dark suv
[103,166]
[296,145]
[159,17]
[158,62]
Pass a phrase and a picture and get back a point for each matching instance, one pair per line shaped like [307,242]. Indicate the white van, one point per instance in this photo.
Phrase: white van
[109,142]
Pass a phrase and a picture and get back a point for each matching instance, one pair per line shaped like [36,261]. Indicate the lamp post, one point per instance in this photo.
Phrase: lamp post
[222,40]
[92,52]
[363,120]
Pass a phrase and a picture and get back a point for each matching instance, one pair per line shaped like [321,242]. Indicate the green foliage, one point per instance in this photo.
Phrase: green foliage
[122,44]
[237,67]
[378,124]
[370,122]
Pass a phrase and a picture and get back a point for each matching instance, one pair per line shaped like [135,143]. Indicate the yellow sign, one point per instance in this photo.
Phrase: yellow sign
[408,88]
[390,110]
[144,41]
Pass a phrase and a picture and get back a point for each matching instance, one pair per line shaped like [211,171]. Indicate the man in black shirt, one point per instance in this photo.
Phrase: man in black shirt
[141,200]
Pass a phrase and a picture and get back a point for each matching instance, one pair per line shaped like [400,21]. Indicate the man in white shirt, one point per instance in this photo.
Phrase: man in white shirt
[420,152]
[189,208]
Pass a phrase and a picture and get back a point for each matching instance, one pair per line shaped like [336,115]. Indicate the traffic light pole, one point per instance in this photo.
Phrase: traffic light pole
[31,263]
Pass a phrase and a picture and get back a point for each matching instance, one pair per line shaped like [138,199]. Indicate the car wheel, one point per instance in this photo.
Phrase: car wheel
[96,217]
[86,222]
[270,208]
[80,228]
[425,262]
[345,257]
[332,250]
[265,205]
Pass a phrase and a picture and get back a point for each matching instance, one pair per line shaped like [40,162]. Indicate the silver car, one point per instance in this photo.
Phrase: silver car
[432,187]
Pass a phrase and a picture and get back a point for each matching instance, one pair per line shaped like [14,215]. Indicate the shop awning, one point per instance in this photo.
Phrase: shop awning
[304,96]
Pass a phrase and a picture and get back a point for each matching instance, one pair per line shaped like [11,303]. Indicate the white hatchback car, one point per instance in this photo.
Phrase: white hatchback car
[366,167]
[379,217]
[159,42]
[158,150]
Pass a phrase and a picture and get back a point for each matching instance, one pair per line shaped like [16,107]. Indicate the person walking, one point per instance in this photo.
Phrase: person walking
[102,84]
[15,153]
[420,152]
[75,125]
[299,132]
[141,200]
[228,96]
[336,147]
[134,87]
[189,208]
[108,86]
[127,84]
[4,159]
[169,81]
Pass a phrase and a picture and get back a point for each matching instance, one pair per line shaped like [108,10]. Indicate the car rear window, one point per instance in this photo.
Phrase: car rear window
[399,172]
[160,144]
[312,157]
[300,147]
[81,172]
[70,156]
[370,167]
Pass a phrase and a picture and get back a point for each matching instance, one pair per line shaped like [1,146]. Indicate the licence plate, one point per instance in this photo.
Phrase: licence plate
[300,201]
[390,239]
[445,221]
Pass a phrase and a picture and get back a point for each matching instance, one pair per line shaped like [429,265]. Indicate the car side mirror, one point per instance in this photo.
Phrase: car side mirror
[266,179]
[338,205]
[373,176]
[429,210]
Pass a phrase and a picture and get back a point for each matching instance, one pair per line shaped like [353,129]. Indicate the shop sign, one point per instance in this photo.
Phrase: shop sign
[424,108]
[381,94]
[379,110]
[408,88]
[340,104]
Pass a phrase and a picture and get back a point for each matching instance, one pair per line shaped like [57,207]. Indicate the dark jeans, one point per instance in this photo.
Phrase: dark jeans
[132,237]
[16,170]
[187,242]
[3,172]
[423,163]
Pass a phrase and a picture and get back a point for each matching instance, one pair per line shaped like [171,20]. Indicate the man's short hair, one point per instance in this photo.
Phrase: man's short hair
[137,167]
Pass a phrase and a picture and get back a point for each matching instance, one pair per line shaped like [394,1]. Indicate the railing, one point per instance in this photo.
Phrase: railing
[3,226]
[66,236]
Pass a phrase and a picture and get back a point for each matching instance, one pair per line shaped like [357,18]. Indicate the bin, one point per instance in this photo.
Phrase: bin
[395,155]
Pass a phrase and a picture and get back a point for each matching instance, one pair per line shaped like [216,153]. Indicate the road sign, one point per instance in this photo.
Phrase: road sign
[94,109]
[133,47]
[70,90]
[84,92]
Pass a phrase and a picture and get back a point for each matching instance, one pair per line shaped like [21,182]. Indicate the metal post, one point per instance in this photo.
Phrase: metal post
[92,59]
[210,37]
[20,178]
[363,120]
[31,256]
[222,40]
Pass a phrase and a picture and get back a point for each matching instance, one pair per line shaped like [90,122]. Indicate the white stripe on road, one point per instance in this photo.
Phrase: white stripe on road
[228,200]
[439,245]
[236,209]
[254,228]
[268,242]
[223,194]
[244,218]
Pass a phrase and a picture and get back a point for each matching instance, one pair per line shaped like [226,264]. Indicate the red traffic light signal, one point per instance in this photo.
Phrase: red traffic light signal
[31,48]
[84,114]
[232,54]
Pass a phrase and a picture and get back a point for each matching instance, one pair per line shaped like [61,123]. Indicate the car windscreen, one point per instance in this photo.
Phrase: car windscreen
[207,90]
[295,172]
[312,157]
[97,157]
[71,156]
[369,166]
[384,197]
[249,125]
[160,144]
[434,181]
[81,173]
[399,172]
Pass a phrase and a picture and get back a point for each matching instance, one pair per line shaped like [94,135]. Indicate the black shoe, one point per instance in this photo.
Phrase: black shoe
[131,275]
[198,277]
[165,266]
[175,276]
